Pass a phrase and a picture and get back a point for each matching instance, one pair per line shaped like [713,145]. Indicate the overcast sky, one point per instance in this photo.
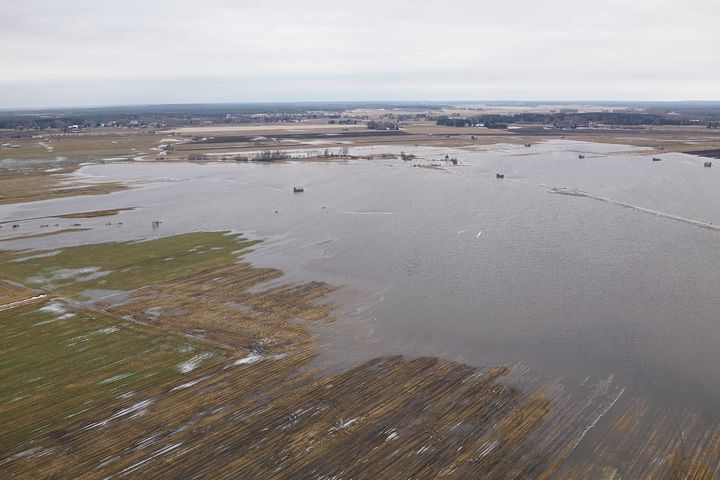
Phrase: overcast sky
[77,52]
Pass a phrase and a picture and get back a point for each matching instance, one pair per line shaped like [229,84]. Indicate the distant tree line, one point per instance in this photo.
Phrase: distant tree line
[567,120]
[382,125]
[270,156]
[168,116]
[343,121]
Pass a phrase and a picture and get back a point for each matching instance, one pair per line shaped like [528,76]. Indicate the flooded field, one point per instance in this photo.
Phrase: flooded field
[591,282]
[60,363]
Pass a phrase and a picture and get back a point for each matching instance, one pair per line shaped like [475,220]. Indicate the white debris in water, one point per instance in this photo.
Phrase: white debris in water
[22,302]
[252,358]
[39,255]
[57,309]
[344,424]
[115,378]
[136,410]
[488,447]
[106,330]
[75,414]
[74,274]
[148,441]
[597,419]
[189,384]
[392,436]
[31,452]
[53,307]
[190,365]
[84,338]
[154,312]
[256,357]
[64,316]
[162,451]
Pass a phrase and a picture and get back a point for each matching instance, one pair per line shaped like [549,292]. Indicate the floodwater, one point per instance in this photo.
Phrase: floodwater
[460,264]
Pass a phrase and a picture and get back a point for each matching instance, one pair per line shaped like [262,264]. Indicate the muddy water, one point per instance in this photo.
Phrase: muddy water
[460,264]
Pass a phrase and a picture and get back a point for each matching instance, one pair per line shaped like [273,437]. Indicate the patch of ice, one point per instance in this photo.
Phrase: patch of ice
[135,410]
[115,378]
[343,424]
[39,255]
[54,307]
[189,384]
[190,365]
[252,358]
[488,447]
[162,451]
[75,274]
[106,330]
[53,320]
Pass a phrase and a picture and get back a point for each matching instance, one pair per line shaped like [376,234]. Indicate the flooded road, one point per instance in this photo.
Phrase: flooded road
[459,264]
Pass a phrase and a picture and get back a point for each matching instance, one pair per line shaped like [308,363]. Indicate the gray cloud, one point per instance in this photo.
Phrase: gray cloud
[79,52]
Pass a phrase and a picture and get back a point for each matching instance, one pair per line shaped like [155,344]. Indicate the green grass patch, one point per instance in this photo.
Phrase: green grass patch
[122,265]
[59,363]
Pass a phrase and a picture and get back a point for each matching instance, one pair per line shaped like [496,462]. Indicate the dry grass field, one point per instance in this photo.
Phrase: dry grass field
[108,143]
[34,185]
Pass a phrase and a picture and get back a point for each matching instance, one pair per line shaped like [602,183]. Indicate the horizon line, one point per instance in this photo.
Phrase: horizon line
[359,102]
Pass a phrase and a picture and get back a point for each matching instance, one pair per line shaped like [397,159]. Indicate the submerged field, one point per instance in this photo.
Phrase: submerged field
[63,359]
[60,363]
[200,372]
[35,185]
